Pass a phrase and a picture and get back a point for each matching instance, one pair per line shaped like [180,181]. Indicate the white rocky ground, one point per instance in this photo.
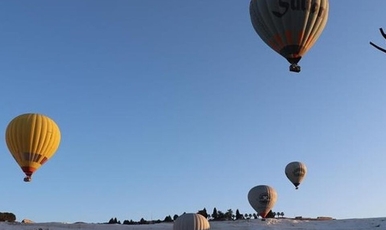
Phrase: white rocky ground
[269,224]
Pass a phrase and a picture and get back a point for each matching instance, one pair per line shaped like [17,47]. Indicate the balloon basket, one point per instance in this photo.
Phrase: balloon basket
[294,68]
[27,179]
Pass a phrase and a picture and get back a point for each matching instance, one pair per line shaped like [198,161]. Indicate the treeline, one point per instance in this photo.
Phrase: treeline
[216,215]
[230,215]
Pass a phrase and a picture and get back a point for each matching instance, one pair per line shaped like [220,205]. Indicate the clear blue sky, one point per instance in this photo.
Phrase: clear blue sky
[171,106]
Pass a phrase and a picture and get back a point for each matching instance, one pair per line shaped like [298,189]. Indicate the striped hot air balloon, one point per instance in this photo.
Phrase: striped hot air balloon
[191,221]
[290,27]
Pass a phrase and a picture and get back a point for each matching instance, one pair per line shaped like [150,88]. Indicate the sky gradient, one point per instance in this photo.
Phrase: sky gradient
[171,106]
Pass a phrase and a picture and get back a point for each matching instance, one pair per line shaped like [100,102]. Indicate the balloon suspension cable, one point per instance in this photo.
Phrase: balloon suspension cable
[378,47]
[27,179]
[294,68]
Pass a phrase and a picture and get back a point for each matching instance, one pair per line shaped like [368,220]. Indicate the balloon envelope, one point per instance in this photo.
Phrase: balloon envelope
[191,221]
[290,27]
[32,140]
[296,172]
[262,198]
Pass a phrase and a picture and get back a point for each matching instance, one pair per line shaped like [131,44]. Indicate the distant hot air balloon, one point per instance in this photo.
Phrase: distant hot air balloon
[262,198]
[32,139]
[296,172]
[290,27]
[191,221]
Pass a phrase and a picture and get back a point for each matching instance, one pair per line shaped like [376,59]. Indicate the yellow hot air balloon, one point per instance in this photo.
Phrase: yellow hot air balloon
[296,172]
[290,27]
[32,139]
[262,198]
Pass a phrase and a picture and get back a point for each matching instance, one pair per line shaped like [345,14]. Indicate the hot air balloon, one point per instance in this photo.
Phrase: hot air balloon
[32,140]
[290,27]
[262,198]
[191,221]
[296,171]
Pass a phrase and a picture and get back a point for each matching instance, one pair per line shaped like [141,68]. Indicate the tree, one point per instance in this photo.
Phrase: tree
[228,215]
[270,214]
[143,221]
[255,216]
[168,219]
[129,222]
[175,217]
[220,215]
[238,215]
[282,214]
[203,213]
[378,47]
[215,214]
[114,221]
